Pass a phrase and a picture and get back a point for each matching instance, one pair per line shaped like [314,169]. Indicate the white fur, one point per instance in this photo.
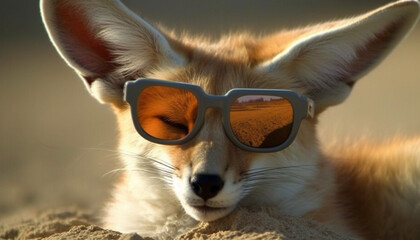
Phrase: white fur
[224,202]
[290,176]
[146,202]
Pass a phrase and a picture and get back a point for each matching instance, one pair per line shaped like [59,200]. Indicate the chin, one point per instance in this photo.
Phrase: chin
[207,214]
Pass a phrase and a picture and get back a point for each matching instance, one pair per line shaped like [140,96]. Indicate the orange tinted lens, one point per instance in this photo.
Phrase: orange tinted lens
[167,113]
[261,121]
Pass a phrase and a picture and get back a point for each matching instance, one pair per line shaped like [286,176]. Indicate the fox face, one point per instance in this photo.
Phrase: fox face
[209,176]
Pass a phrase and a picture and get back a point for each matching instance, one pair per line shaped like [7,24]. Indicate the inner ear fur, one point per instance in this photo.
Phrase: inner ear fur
[327,59]
[106,43]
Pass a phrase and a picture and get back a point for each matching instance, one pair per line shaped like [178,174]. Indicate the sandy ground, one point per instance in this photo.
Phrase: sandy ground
[73,224]
[57,144]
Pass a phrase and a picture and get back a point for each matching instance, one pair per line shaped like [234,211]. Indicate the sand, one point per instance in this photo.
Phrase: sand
[242,224]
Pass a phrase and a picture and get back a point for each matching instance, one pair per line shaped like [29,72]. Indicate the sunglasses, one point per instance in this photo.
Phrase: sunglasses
[258,120]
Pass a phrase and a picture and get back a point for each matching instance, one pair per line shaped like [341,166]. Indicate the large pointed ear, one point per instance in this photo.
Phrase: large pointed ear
[329,58]
[106,44]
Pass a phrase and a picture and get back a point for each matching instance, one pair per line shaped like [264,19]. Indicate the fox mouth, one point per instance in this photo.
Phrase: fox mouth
[209,209]
[207,213]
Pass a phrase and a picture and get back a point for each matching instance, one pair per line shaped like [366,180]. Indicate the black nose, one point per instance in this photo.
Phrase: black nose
[206,185]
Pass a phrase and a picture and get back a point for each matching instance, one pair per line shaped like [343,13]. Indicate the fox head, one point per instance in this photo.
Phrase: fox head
[108,45]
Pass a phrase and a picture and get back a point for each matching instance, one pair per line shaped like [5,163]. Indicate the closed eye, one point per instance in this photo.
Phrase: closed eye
[173,124]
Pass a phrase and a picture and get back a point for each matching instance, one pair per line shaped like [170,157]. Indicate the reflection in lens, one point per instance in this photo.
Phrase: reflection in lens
[167,113]
[261,121]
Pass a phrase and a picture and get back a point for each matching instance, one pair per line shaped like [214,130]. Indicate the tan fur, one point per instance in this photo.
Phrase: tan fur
[364,190]
[377,181]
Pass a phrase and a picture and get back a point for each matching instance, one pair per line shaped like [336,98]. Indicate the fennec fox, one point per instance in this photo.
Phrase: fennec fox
[207,126]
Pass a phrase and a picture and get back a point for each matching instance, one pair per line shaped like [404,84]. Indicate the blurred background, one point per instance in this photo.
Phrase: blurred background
[57,143]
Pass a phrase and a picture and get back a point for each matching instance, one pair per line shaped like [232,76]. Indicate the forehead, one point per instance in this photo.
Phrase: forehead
[219,67]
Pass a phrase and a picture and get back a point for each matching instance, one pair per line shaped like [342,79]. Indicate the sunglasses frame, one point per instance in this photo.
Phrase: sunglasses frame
[302,108]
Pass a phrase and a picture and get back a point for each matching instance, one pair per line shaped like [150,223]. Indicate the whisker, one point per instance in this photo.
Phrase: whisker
[114,152]
[133,154]
[163,173]
[159,170]
[271,176]
[114,171]
[270,169]
[274,176]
